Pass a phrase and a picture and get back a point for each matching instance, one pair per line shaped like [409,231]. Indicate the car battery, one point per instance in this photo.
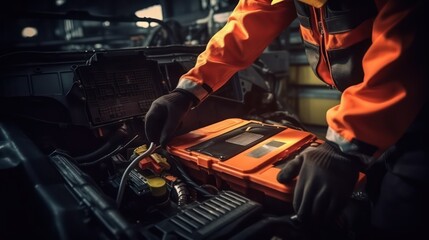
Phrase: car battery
[246,155]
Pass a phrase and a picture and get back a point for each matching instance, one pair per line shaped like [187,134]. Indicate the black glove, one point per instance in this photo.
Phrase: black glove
[166,114]
[327,177]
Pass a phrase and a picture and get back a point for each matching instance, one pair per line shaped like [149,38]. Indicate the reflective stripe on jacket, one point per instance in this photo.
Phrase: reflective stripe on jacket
[366,49]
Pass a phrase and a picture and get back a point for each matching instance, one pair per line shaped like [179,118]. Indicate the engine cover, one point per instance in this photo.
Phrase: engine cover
[246,155]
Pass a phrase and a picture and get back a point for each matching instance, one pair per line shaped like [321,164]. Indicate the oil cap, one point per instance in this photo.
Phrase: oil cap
[157,186]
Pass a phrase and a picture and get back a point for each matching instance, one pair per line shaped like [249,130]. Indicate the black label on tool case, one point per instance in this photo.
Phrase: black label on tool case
[236,141]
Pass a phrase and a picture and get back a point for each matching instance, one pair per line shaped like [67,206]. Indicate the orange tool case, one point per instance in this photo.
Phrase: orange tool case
[244,154]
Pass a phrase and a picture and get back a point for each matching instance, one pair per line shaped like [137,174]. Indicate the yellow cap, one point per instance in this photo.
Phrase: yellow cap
[157,186]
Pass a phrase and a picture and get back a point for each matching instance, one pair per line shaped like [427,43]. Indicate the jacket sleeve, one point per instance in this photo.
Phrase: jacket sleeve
[251,27]
[373,115]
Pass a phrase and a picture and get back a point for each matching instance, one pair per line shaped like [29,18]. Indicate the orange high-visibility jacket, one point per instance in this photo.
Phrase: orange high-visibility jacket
[366,49]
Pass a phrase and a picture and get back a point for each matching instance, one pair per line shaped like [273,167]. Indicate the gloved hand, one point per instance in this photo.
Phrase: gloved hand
[166,113]
[326,180]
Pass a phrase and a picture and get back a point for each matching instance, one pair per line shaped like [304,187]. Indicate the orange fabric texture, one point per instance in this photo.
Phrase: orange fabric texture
[379,110]
[250,28]
[343,40]
[314,3]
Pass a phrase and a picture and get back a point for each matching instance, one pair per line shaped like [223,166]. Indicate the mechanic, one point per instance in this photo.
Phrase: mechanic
[370,50]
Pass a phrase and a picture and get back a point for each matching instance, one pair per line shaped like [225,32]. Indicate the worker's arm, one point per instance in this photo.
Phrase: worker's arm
[374,114]
[251,27]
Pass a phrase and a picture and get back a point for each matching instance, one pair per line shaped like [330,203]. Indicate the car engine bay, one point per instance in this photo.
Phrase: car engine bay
[74,159]
[76,163]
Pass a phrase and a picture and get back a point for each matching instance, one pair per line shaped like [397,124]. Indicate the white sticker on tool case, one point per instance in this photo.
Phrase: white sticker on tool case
[244,139]
[265,149]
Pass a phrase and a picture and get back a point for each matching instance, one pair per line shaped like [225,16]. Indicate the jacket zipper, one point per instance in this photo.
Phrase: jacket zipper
[319,13]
